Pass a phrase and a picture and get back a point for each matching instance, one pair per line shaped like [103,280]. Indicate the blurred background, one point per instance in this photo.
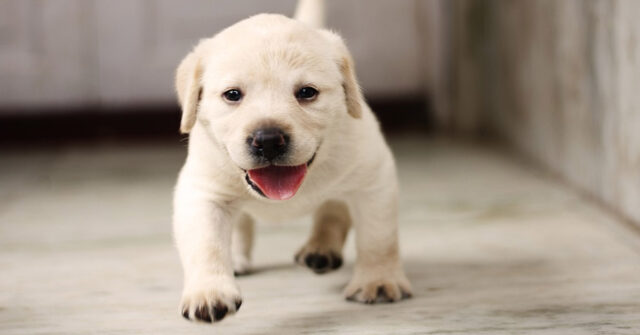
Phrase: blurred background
[556,80]
[87,99]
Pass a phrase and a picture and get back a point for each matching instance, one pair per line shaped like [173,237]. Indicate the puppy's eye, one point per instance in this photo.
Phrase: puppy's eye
[306,93]
[232,95]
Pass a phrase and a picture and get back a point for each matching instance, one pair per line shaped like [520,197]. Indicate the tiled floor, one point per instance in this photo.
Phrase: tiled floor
[491,246]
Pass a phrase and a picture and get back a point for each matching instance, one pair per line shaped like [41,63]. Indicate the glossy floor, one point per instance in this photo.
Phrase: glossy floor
[490,245]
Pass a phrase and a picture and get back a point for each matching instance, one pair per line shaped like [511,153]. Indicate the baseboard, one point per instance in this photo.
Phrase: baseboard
[159,122]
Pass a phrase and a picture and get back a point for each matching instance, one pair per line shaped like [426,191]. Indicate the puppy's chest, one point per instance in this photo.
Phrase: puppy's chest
[277,212]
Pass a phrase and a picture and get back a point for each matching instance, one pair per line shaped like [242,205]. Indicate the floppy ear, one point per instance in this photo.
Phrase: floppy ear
[189,89]
[352,92]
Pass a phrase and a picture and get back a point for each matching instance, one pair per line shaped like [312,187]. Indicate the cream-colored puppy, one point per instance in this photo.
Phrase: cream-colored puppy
[278,129]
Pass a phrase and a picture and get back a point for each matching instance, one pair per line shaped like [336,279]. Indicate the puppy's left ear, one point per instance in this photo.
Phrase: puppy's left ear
[189,89]
[353,94]
[352,90]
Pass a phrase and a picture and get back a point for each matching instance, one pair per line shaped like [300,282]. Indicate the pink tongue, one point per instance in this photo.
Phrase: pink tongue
[279,182]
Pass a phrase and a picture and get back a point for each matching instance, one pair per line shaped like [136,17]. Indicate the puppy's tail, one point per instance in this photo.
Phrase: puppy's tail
[310,12]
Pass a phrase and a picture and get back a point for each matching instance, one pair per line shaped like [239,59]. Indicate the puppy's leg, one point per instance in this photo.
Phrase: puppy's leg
[323,250]
[378,274]
[242,244]
[202,231]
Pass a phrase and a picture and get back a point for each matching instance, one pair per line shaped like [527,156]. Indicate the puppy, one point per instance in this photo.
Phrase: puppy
[278,128]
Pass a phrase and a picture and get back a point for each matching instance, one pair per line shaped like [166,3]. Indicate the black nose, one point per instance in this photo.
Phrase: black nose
[268,143]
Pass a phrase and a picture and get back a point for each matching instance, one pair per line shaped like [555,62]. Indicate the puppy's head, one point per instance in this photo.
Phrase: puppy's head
[268,91]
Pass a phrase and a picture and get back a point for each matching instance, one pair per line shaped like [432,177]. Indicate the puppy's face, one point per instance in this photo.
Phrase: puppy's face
[269,89]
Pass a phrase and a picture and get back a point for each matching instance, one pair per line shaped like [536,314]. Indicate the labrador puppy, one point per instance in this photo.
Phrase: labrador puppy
[278,128]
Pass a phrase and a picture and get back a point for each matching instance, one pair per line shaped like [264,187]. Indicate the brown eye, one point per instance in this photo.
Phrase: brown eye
[232,95]
[306,93]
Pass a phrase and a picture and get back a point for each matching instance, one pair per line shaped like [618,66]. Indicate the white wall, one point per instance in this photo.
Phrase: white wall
[123,52]
[560,81]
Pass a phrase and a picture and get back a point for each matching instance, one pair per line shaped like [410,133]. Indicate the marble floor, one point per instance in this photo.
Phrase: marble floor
[491,246]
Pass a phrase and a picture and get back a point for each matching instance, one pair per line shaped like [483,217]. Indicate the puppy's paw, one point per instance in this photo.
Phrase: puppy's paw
[380,287]
[319,260]
[210,300]
[241,265]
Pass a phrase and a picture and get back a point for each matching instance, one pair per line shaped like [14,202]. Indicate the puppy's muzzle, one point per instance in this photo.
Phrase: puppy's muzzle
[268,144]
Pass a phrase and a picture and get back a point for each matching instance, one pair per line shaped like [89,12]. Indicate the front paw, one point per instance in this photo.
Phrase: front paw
[372,287]
[210,300]
[318,259]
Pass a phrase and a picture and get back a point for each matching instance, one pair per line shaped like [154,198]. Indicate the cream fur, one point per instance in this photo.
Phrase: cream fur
[352,180]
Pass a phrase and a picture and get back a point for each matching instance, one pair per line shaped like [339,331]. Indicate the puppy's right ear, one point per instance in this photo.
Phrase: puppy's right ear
[189,89]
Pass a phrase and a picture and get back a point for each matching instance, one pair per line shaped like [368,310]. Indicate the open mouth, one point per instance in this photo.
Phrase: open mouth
[277,182]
